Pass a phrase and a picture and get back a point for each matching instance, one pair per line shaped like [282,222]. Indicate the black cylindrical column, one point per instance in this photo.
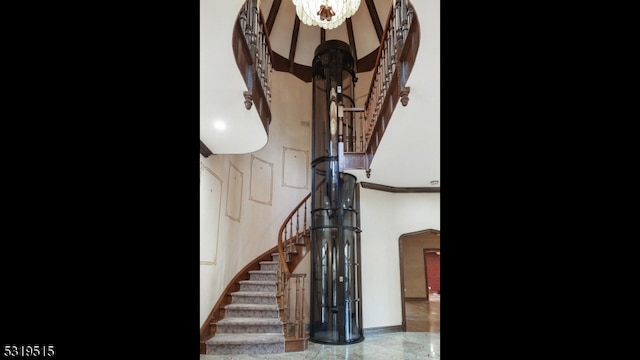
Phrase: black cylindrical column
[336,310]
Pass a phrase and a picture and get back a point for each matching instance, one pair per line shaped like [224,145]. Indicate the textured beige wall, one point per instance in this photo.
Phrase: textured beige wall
[412,245]
[249,221]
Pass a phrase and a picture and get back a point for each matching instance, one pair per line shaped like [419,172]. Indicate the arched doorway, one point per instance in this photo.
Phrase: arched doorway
[419,270]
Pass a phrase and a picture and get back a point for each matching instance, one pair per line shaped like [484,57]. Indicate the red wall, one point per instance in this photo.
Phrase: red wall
[433,271]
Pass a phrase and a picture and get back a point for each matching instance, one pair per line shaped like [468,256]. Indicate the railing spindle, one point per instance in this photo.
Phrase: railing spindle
[391,46]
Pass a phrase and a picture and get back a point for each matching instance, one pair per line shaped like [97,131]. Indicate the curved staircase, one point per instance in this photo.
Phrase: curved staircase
[251,323]
[252,316]
[244,318]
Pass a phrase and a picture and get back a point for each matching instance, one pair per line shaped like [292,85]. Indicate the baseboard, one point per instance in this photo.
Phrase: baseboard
[367,331]
[382,330]
[416,298]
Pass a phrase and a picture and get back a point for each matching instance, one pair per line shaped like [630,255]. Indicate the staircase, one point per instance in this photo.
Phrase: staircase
[262,309]
[251,324]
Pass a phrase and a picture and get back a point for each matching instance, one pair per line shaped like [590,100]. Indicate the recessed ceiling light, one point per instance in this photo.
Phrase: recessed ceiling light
[220,125]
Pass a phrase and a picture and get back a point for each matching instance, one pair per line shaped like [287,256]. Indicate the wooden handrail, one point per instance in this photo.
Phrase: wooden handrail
[396,57]
[253,53]
[296,339]
[394,62]
[206,330]
[282,255]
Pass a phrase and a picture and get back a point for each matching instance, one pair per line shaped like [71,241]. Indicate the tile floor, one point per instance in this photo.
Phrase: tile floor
[420,341]
[383,346]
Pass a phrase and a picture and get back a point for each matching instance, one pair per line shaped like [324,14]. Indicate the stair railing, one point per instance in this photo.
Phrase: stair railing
[252,51]
[395,60]
[292,234]
[295,322]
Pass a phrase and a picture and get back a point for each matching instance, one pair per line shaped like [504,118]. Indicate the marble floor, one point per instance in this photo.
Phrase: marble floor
[420,341]
[387,346]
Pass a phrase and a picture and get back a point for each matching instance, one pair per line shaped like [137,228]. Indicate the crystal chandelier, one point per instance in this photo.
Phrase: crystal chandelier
[328,14]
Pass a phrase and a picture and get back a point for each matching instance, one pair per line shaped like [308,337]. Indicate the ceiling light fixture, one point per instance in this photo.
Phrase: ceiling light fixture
[328,14]
[220,125]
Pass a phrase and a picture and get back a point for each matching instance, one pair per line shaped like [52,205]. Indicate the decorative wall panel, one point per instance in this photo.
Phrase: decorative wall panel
[295,168]
[210,208]
[234,192]
[261,181]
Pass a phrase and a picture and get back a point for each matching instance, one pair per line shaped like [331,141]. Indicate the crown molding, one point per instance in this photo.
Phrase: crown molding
[399,190]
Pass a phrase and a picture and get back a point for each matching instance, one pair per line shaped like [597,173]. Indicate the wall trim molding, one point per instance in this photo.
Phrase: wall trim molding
[399,190]
[382,330]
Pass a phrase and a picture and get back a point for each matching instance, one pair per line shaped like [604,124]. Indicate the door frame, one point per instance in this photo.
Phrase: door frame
[412,236]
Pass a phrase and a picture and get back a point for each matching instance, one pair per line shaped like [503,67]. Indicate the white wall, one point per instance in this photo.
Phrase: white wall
[222,85]
[384,217]
[239,242]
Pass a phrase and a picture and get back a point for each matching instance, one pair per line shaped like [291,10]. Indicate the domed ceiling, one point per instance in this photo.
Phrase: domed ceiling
[409,152]
[294,43]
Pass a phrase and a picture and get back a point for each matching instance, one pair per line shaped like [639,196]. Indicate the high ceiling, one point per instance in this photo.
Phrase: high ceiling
[294,43]
[409,153]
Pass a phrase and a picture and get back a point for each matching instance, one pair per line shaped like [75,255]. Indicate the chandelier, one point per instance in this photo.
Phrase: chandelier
[327,14]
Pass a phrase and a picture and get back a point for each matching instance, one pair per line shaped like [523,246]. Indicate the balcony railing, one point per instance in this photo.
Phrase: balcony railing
[395,60]
[253,55]
[361,129]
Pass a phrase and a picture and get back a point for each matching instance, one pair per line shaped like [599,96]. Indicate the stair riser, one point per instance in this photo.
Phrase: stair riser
[244,329]
[261,300]
[273,314]
[269,267]
[264,277]
[232,349]
[254,336]
[258,287]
